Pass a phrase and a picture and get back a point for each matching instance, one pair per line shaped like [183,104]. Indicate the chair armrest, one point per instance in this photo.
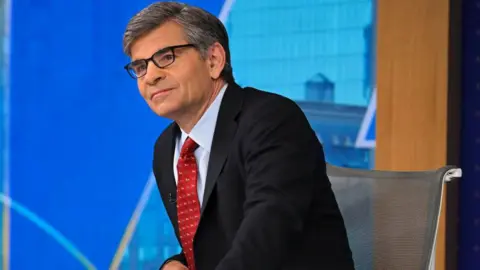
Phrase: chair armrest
[452,174]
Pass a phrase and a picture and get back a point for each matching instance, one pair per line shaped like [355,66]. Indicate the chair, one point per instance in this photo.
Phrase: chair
[391,217]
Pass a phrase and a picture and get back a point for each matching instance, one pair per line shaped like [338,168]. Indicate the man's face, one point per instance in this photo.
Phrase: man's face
[183,86]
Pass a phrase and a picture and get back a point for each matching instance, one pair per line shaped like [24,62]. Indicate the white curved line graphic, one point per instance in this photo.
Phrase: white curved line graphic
[47,228]
[5,143]
[132,224]
[225,11]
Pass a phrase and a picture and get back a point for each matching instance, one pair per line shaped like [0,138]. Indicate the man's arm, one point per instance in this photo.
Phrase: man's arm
[283,157]
[156,167]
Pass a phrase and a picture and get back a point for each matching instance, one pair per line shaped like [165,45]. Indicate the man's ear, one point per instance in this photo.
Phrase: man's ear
[216,60]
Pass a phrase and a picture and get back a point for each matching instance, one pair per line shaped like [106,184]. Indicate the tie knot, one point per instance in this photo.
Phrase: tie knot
[188,147]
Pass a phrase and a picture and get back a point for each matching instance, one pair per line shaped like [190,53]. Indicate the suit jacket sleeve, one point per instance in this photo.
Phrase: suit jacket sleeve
[282,158]
[157,172]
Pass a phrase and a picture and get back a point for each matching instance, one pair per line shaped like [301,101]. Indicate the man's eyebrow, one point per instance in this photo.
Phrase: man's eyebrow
[157,51]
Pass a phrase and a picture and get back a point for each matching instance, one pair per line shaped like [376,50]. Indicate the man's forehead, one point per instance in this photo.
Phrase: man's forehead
[166,35]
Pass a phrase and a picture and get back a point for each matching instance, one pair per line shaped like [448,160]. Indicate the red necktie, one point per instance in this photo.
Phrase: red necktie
[188,205]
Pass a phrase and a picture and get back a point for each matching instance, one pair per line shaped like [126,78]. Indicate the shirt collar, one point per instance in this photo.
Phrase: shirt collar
[202,132]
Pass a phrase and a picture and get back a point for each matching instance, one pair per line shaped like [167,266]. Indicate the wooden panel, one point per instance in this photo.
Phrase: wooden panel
[412,80]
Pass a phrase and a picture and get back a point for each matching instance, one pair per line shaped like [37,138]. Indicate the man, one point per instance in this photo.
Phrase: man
[240,171]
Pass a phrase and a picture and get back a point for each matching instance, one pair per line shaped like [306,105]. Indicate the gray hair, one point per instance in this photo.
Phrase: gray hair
[201,28]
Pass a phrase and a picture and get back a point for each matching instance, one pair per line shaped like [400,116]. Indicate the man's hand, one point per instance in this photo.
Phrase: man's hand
[174,265]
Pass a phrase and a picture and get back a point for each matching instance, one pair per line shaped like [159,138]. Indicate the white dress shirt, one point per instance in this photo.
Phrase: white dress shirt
[202,134]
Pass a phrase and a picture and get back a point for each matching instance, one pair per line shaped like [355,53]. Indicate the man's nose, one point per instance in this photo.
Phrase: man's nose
[154,74]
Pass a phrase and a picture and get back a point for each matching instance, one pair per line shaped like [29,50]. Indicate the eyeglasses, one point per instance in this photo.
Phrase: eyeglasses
[162,58]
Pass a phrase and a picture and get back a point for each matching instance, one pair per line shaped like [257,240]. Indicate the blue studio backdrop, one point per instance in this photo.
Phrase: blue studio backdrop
[469,233]
[81,137]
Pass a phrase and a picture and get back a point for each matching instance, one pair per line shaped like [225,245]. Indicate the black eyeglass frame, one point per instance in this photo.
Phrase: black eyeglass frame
[129,69]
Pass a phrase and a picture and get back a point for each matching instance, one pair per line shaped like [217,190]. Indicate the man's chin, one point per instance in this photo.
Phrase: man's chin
[164,110]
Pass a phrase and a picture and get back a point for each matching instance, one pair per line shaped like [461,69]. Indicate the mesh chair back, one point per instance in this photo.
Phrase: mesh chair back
[391,217]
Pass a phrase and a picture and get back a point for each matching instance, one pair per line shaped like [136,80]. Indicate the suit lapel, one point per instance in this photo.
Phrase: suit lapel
[225,130]
[169,187]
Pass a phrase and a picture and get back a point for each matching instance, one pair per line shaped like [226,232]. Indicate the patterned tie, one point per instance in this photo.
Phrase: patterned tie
[188,205]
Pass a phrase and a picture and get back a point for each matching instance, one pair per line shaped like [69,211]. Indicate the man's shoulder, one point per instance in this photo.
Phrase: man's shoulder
[258,103]
[256,98]
[255,95]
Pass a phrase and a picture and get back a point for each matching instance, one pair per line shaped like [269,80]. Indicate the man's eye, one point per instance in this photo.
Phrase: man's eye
[166,57]
[138,68]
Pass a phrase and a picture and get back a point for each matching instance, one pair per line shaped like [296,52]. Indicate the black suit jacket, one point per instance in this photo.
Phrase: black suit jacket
[268,203]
